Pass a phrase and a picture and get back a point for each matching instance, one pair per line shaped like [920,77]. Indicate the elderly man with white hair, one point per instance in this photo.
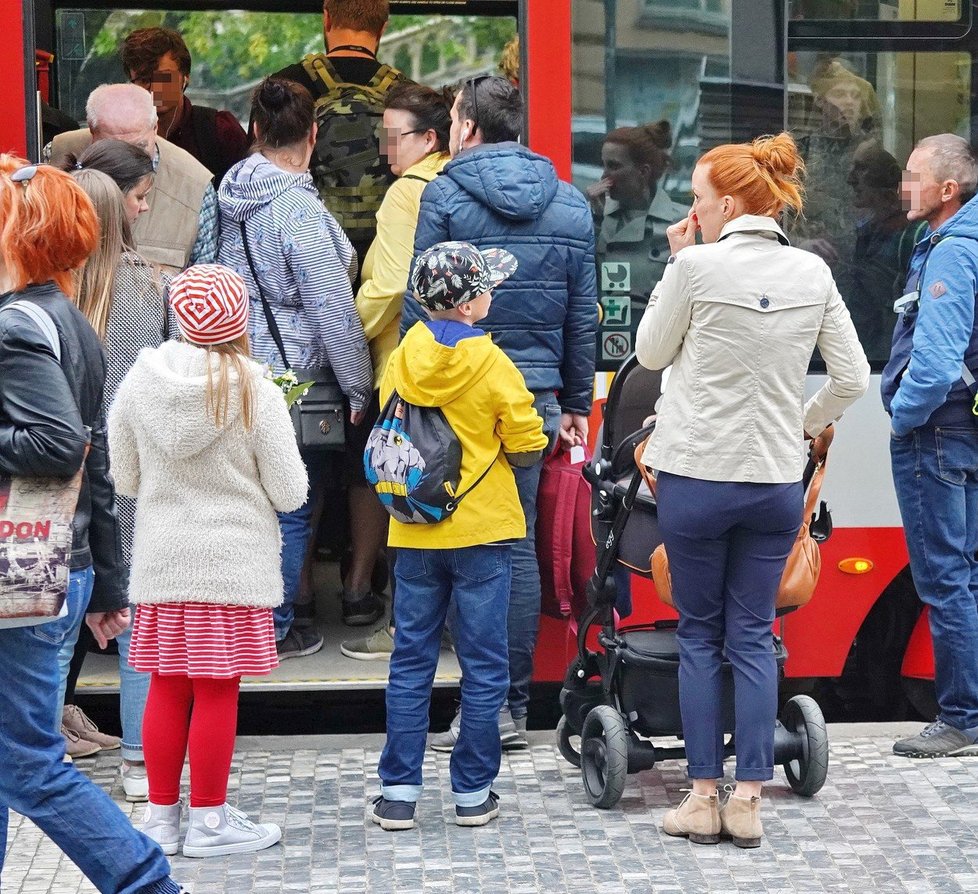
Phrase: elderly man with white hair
[181,227]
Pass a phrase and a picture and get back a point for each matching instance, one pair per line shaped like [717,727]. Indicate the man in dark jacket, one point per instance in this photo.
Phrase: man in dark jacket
[928,390]
[497,193]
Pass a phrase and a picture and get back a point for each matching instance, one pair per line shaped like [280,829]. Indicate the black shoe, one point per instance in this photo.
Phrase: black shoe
[299,641]
[393,816]
[368,609]
[487,811]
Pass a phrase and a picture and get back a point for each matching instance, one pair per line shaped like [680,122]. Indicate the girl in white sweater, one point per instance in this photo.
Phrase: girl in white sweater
[206,445]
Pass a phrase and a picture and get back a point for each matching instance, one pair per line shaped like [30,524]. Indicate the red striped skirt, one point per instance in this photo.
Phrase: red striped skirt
[196,639]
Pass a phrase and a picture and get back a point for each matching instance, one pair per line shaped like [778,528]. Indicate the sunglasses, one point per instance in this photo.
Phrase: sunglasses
[24,175]
[473,84]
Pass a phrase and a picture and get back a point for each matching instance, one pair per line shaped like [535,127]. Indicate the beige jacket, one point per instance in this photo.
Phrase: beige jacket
[165,235]
[738,320]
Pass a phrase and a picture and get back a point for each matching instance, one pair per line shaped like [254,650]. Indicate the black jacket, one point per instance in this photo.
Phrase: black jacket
[47,411]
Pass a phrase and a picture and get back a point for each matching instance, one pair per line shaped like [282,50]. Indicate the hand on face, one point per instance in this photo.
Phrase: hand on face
[683,234]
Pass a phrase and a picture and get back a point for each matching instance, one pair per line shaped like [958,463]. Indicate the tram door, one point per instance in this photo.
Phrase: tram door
[231,51]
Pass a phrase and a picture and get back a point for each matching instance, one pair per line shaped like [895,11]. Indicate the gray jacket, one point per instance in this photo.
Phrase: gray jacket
[738,319]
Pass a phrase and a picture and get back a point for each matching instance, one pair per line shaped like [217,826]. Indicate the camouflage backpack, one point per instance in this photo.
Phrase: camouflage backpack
[347,167]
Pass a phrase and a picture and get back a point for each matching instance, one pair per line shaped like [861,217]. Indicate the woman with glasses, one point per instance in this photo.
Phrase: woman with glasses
[414,140]
[51,425]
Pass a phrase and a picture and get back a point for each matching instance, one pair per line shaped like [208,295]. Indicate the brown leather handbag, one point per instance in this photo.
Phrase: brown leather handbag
[800,571]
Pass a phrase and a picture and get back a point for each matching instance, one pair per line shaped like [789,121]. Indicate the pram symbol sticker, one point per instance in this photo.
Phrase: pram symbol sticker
[616,276]
[617,311]
[616,346]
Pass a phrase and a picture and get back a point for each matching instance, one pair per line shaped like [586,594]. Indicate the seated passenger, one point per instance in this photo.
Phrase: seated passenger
[157,59]
[306,265]
[464,559]
[181,226]
[415,141]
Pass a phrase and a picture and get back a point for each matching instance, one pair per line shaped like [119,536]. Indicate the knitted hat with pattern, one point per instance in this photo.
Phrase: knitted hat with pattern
[210,303]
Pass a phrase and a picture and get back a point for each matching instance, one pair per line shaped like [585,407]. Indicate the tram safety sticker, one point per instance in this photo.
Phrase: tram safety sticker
[71,35]
[616,345]
[617,311]
[616,276]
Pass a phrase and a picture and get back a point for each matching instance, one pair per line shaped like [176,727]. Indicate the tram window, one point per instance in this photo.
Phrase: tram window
[878,10]
[639,122]
[233,50]
[856,118]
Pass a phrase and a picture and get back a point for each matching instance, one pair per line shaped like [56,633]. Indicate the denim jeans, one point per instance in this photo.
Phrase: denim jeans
[133,691]
[296,530]
[935,472]
[66,629]
[727,544]
[524,595]
[476,580]
[70,809]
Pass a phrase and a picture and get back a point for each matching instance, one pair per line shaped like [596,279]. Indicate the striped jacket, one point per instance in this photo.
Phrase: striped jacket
[306,265]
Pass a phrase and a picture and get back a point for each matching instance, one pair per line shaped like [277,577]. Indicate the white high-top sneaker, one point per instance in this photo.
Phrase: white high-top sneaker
[161,822]
[216,831]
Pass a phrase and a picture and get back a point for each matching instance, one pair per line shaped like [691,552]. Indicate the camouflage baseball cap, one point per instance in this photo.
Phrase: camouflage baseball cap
[451,273]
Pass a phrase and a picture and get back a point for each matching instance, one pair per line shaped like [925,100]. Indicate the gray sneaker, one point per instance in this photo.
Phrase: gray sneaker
[219,831]
[938,739]
[161,822]
[510,735]
[378,646]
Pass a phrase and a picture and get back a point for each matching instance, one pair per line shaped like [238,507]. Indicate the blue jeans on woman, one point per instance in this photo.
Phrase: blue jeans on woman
[476,581]
[70,809]
[727,544]
[935,472]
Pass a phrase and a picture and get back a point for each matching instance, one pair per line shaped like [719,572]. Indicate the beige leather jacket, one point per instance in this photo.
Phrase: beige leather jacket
[738,320]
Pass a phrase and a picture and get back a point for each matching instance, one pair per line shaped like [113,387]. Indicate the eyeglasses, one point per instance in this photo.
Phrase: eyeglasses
[393,133]
[473,83]
[24,175]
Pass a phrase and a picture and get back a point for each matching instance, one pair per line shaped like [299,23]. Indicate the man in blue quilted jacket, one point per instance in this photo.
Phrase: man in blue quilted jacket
[497,193]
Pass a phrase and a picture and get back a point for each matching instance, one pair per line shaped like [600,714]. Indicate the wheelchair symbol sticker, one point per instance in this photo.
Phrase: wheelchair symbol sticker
[616,346]
[616,276]
[617,311]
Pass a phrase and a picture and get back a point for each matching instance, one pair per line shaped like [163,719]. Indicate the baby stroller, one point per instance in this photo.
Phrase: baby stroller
[619,698]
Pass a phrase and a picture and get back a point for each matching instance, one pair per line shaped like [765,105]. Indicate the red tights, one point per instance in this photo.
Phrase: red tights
[202,712]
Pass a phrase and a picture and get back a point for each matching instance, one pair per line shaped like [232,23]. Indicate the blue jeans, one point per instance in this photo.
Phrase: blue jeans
[70,809]
[133,690]
[296,530]
[524,595]
[476,580]
[727,544]
[935,472]
[67,629]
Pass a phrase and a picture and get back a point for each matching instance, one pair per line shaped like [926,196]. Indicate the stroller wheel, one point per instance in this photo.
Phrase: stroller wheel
[604,756]
[565,743]
[807,771]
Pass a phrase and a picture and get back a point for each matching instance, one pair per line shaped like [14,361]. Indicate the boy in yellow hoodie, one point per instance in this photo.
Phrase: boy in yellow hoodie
[446,362]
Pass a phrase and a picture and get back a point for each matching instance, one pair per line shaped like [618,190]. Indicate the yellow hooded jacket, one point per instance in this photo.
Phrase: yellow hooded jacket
[485,400]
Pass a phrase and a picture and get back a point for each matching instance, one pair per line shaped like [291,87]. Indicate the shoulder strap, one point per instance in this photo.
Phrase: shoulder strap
[458,499]
[42,321]
[416,177]
[320,69]
[814,491]
[385,78]
[269,316]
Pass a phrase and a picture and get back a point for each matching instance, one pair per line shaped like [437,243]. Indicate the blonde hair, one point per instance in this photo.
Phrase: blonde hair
[765,174]
[95,282]
[231,355]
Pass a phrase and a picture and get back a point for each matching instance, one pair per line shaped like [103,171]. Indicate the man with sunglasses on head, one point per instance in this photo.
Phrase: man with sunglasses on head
[496,193]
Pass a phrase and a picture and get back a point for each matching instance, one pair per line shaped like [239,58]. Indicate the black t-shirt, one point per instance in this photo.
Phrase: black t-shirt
[351,69]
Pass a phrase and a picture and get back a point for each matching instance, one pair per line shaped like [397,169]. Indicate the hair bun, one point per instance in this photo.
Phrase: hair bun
[778,154]
[659,133]
[274,94]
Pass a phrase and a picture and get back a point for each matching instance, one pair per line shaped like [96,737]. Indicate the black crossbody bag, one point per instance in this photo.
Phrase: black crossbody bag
[319,416]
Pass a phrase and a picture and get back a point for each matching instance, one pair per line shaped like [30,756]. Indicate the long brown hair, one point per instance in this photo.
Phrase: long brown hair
[230,356]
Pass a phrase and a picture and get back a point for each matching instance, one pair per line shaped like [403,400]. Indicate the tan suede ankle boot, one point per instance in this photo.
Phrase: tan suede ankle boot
[697,818]
[740,819]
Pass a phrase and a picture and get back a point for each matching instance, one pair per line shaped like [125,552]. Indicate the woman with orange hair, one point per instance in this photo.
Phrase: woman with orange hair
[52,374]
[738,318]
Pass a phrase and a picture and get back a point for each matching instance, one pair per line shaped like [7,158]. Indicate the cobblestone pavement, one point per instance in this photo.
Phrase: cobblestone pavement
[881,823]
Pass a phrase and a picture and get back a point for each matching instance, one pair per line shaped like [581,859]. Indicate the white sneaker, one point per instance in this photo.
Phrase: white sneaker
[161,822]
[135,783]
[217,831]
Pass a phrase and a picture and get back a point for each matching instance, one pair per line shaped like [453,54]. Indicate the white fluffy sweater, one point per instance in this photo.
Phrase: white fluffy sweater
[206,529]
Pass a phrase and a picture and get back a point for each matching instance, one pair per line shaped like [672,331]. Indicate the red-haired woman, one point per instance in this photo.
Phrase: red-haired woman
[51,423]
[738,317]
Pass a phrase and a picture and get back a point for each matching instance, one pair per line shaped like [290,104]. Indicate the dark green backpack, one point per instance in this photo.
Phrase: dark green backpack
[351,175]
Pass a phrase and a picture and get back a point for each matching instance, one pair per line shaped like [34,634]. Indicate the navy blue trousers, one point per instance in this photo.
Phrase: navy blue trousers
[727,544]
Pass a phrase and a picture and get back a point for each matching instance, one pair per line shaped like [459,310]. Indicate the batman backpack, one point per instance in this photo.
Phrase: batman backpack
[347,168]
[413,460]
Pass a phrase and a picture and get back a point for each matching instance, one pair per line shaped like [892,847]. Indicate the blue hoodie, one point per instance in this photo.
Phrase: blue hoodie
[502,195]
[922,382]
